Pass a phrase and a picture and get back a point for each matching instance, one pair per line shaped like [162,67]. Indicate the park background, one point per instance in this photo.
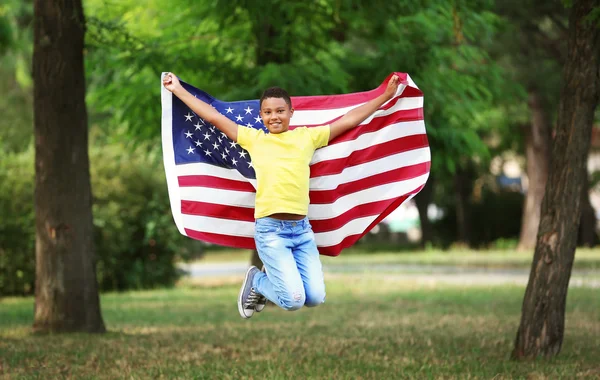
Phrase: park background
[492,76]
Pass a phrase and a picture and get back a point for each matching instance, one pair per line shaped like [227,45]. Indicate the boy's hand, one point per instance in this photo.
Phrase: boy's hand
[171,82]
[392,87]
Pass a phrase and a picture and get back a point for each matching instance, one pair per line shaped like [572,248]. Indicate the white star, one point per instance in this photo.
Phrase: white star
[220,139]
[226,150]
[229,110]
[234,161]
[224,156]
[202,121]
[198,143]
[188,135]
[239,117]
[212,128]
[233,144]
[249,125]
[216,146]
[198,126]
[207,152]
[223,134]
[248,110]
[243,154]
[190,150]
[258,119]
[206,136]
[188,117]
[250,164]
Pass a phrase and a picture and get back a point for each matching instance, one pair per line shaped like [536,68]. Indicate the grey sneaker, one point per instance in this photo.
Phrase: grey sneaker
[262,300]
[248,296]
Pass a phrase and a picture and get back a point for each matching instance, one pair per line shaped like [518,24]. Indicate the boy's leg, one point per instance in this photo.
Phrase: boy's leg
[283,286]
[309,264]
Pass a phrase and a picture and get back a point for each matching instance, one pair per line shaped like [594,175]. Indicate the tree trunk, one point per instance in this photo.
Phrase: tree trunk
[462,186]
[587,226]
[537,150]
[423,200]
[66,291]
[542,324]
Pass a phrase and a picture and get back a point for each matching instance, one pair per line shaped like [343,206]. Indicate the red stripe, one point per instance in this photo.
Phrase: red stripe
[360,211]
[246,214]
[400,174]
[220,239]
[214,182]
[357,157]
[378,123]
[321,102]
[214,210]
[248,243]
[412,114]
[348,241]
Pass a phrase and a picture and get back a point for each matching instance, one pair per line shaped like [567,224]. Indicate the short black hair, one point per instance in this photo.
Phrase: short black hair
[276,92]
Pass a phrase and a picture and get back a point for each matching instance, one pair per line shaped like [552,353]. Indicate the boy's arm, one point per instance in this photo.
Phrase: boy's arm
[359,114]
[201,108]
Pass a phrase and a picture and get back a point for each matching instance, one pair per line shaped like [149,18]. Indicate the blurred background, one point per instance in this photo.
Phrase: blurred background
[490,72]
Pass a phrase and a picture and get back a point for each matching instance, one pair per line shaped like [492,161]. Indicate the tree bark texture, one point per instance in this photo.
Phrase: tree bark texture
[542,324]
[537,150]
[66,291]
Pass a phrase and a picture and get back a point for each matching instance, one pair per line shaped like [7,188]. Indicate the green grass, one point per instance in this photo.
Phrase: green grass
[370,327]
[584,258]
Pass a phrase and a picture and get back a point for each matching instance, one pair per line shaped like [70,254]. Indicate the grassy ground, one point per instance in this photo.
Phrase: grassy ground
[370,328]
[584,258]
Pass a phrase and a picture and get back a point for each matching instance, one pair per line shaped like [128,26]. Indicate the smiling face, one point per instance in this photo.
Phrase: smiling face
[276,114]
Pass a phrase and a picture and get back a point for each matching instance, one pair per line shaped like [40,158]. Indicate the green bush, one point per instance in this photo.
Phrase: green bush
[135,237]
[17,228]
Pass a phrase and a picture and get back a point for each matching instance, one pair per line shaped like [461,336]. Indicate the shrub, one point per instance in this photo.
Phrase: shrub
[136,240]
[17,228]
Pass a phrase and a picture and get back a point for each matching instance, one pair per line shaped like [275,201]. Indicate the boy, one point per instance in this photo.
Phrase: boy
[283,235]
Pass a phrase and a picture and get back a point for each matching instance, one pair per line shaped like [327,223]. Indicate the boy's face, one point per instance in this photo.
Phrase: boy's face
[276,114]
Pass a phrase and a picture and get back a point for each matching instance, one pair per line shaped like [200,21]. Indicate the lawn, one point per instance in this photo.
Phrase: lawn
[371,327]
[585,259]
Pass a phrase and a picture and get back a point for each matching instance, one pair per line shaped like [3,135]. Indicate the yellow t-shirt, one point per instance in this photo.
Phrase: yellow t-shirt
[281,164]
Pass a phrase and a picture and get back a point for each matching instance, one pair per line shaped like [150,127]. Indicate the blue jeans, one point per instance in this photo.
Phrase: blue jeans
[294,273]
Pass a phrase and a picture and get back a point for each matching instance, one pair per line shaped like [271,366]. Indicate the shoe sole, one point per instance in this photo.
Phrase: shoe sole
[240,305]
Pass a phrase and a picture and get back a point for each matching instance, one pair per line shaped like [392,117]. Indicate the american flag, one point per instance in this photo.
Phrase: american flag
[355,181]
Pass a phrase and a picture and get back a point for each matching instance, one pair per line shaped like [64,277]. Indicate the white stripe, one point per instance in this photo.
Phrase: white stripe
[374,194]
[218,196]
[219,226]
[341,205]
[246,229]
[354,227]
[212,170]
[169,155]
[411,83]
[366,140]
[353,173]
[312,117]
[330,182]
